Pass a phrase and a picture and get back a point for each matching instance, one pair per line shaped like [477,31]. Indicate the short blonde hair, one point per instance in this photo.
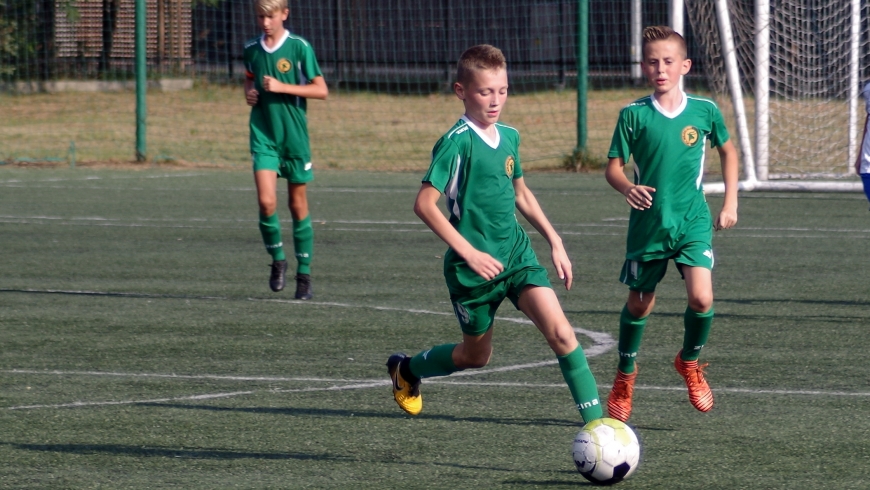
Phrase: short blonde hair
[664,33]
[479,58]
[269,6]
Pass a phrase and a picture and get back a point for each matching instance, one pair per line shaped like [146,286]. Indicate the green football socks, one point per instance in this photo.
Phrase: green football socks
[580,381]
[437,361]
[697,330]
[303,243]
[630,335]
[270,228]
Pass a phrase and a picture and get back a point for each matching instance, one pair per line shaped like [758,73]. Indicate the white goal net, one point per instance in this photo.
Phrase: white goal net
[799,66]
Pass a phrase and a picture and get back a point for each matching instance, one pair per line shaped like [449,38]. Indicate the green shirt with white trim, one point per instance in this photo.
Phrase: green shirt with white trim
[668,150]
[476,175]
[278,122]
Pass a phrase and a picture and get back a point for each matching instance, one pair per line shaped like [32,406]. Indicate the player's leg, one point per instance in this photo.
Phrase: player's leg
[865,179]
[475,318]
[642,279]
[266,181]
[303,238]
[697,320]
[542,307]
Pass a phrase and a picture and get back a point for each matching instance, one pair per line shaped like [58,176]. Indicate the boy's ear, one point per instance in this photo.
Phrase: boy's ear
[687,65]
[459,90]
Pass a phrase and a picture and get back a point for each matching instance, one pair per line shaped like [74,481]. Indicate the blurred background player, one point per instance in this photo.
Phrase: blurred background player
[477,166]
[862,164]
[670,220]
[281,73]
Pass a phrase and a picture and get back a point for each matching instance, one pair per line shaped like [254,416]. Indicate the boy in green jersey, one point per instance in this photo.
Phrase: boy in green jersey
[670,220]
[281,73]
[476,165]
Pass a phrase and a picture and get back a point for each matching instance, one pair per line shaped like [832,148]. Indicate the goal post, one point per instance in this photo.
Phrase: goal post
[801,63]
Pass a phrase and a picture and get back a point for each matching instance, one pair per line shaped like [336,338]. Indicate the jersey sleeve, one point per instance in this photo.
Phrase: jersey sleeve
[518,169]
[247,56]
[620,143]
[309,67]
[445,161]
[718,132]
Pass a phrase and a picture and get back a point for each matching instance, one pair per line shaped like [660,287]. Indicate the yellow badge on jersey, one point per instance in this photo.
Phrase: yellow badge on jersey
[690,136]
[509,166]
[284,65]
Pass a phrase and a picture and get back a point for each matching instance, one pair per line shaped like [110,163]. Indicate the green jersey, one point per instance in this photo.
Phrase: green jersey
[278,122]
[476,175]
[668,151]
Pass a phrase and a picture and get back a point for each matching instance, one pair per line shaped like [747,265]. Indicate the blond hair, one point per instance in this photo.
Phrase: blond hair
[268,6]
[664,33]
[479,58]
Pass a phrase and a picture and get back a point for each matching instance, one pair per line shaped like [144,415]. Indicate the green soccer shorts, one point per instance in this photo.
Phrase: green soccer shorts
[475,308]
[296,170]
[645,276]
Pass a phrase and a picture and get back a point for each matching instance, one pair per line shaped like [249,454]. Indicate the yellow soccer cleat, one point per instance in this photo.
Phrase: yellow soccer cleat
[407,394]
[700,393]
[619,401]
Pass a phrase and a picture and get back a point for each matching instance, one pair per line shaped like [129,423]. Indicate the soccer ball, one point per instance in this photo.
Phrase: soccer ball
[606,451]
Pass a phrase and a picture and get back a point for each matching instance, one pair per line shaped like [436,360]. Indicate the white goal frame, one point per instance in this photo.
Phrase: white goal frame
[755,158]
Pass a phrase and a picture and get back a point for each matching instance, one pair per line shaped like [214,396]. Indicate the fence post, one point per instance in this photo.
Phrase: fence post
[582,55]
[141,81]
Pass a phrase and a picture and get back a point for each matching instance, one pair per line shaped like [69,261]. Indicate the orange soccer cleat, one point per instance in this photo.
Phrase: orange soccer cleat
[619,401]
[700,393]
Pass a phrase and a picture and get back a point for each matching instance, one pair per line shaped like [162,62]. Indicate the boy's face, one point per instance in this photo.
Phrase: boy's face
[664,64]
[273,22]
[484,96]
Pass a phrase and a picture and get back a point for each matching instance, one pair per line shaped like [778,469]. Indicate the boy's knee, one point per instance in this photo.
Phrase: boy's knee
[640,304]
[702,303]
[268,206]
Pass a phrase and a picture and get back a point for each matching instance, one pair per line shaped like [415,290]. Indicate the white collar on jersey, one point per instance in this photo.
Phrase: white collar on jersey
[277,45]
[486,139]
[676,112]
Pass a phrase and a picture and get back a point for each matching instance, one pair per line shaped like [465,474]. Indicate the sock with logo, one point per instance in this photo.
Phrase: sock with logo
[697,330]
[630,335]
[303,242]
[580,381]
[437,361]
[270,228]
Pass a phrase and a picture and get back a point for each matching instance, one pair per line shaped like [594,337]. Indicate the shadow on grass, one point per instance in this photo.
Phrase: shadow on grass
[221,454]
[163,452]
[319,412]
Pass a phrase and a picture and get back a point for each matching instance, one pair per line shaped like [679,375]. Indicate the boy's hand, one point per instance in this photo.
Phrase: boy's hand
[484,264]
[563,266]
[639,197]
[251,96]
[726,219]
[271,84]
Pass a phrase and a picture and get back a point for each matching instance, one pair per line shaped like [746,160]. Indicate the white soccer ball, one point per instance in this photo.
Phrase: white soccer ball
[606,451]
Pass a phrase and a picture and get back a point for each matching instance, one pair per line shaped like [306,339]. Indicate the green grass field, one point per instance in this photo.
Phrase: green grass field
[142,347]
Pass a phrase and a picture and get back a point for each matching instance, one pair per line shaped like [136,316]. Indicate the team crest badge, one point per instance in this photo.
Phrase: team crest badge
[690,136]
[509,166]
[284,65]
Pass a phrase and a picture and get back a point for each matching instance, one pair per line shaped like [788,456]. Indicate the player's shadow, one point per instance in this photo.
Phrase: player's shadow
[165,452]
[322,412]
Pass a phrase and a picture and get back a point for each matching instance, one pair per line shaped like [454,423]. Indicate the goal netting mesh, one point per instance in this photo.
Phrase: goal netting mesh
[811,77]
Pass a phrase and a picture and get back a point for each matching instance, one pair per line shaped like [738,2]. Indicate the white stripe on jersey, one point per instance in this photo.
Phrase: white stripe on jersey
[452,191]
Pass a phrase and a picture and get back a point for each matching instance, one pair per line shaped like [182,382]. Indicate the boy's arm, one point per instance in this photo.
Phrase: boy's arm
[316,89]
[528,206]
[637,196]
[251,93]
[426,207]
[728,158]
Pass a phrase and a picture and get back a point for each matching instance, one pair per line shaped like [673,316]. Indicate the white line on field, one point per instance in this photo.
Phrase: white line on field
[381,383]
